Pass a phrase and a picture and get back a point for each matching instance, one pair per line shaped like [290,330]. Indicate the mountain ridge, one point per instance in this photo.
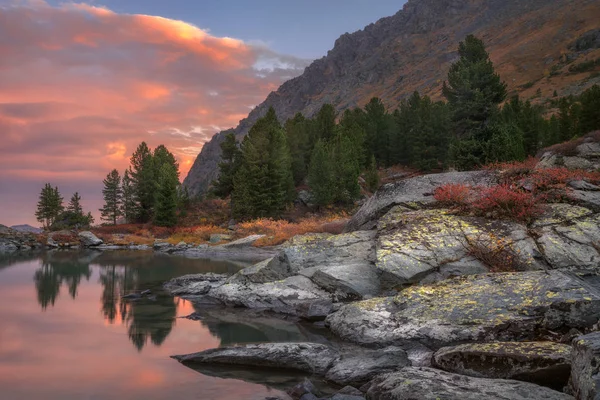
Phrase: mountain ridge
[413,50]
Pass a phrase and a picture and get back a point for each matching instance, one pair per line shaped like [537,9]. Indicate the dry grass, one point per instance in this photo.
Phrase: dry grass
[278,231]
[498,254]
[196,234]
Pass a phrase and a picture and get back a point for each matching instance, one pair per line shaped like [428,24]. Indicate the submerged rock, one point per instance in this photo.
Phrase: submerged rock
[490,307]
[543,363]
[585,372]
[306,357]
[431,384]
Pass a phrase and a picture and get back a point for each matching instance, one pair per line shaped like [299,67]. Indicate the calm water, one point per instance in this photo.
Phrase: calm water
[65,333]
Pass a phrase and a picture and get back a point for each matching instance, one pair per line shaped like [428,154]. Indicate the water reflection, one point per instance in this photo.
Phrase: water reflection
[149,319]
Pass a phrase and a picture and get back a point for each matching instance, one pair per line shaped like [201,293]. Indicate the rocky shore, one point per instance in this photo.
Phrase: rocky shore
[416,312]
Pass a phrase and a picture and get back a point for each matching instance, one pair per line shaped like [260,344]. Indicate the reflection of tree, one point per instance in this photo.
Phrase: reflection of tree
[56,271]
[150,320]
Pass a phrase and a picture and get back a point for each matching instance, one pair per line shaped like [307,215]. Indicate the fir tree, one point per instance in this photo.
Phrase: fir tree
[113,197]
[263,185]
[324,123]
[128,204]
[74,205]
[142,173]
[230,161]
[298,136]
[166,196]
[49,206]
[590,110]
[473,91]
[321,178]
[347,170]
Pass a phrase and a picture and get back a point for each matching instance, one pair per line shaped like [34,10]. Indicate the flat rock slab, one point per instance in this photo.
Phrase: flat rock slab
[306,357]
[431,384]
[475,308]
[289,296]
[585,372]
[412,193]
[544,363]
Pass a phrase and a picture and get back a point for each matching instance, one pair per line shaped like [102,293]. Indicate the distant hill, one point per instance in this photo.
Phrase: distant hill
[26,229]
[538,46]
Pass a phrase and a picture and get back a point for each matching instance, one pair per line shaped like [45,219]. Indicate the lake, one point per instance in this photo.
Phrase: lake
[65,332]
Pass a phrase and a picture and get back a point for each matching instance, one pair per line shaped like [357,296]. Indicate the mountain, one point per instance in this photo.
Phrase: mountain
[26,229]
[535,45]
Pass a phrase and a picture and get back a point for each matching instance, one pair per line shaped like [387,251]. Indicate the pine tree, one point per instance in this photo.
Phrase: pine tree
[473,91]
[324,123]
[74,205]
[166,196]
[347,170]
[113,197]
[298,136]
[142,172]
[321,178]
[49,206]
[161,156]
[590,110]
[379,129]
[128,204]
[263,185]
[230,161]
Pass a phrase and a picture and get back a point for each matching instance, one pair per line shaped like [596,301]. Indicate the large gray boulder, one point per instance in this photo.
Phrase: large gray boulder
[194,284]
[585,371]
[544,363]
[490,307]
[573,242]
[431,384]
[88,239]
[360,366]
[341,265]
[436,243]
[306,357]
[412,193]
[7,246]
[289,296]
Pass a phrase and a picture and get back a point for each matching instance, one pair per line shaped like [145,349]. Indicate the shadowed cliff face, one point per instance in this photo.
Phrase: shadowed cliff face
[413,50]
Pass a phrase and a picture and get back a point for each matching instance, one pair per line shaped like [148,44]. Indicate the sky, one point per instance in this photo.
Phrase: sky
[82,84]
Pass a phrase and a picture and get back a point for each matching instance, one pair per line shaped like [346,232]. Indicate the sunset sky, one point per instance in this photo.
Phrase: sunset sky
[81,84]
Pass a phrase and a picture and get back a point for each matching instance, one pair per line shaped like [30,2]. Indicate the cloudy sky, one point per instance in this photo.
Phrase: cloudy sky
[81,84]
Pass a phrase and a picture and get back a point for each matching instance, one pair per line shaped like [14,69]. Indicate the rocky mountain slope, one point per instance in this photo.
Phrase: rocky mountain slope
[534,44]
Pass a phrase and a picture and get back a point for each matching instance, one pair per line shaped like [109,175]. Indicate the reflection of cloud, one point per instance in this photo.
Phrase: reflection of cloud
[76,79]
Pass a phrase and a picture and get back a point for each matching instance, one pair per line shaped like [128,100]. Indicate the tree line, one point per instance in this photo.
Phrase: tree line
[474,126]
[149,190]
[52,213]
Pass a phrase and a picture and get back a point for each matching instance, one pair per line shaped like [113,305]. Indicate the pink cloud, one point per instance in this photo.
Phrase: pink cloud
[81,86]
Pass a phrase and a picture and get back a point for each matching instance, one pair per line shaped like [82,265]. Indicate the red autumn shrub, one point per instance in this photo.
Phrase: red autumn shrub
[507,202]
[453,194]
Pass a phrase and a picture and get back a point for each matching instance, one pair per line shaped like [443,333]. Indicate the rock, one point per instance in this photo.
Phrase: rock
[361,366]
[88,239]
[146,292]
[218,237]
[181,244]
[132,296]
[342,396]
[303,388]
[430,384]
[583,185]
[412,193]
[572,243]
[316,310]
[305,357]
[162,246]
[585,371]
[590,199]
[194,284]
[490,307]
[244,242]
[544,363]
[7,246]
[349,390]
[264,271]
[348,282]
[50,242]
[288,296]
[305,198]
